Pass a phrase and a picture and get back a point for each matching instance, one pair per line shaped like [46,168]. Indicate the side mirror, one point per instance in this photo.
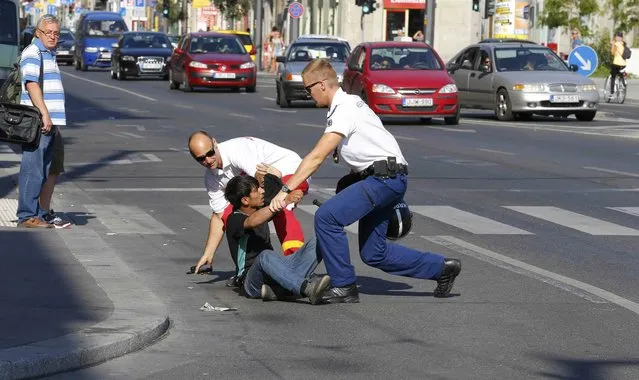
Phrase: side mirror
[253,52]
[484,68]
[574,68]
[114,45]
[280,59]
[451,67]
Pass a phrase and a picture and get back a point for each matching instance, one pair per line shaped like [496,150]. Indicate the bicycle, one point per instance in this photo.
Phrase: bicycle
[620,87]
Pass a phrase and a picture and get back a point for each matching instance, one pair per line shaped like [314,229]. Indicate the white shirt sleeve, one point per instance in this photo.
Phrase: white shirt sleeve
[214,188]
[341,121]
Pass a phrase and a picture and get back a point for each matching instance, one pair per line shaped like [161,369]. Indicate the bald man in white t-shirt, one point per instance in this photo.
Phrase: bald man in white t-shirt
[243,156]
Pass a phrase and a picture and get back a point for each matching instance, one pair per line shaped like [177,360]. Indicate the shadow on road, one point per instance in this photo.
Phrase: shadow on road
[587,369]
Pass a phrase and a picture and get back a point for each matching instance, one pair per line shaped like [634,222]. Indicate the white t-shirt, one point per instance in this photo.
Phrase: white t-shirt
[365,138]
[241,156]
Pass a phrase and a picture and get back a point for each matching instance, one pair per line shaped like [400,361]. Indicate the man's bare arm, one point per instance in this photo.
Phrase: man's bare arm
[216,233]
[37,98]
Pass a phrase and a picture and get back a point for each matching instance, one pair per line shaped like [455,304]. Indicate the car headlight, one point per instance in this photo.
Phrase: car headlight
[198,65]
[91,50]
[589,87]
[382,89]
[535,87]
[448,89]
[72,48]
[293,77]
[128,58]
[247,65]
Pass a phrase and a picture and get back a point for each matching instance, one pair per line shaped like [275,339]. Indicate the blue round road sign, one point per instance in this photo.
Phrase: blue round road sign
[585,58]
[296,10]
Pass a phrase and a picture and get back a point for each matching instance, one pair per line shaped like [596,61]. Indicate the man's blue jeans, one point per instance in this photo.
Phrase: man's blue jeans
[34,170]
[370,201]
[289,272]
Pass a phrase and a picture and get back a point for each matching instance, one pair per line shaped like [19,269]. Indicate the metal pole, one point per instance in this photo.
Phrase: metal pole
[429,22]
[294,30]
[259,44]
[185,13]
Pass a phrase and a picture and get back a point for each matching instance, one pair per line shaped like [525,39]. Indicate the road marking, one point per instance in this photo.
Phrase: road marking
[128,220]
[497,152]
[206,211]
[117,134]
[108,86]
[145,189]
[554,128]
[579,222]
[611,171]
[628,210]
[406,138]
[152,157]
[266,85]
[576,287]
[135,158]
[454,129]
[138,127]
[8,209]
[311,209]
[241,115]
[278,110]
[312,125]
[132,135]
[183,106]
[268,98]
[467,221]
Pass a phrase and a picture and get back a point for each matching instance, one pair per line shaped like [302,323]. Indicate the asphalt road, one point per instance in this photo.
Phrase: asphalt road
[544,215]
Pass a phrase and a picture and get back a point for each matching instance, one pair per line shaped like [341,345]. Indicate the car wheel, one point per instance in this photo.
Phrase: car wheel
[83,66]
[251,89]
[284,103]
[277,94]
[76,64]
[524,116]
[586,115]
[453,120]
[502,106]
[173,85]
[186,86]
[119,73]
[113,75]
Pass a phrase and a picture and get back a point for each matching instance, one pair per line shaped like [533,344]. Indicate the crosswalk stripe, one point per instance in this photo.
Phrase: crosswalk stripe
[128,220]
[467,221]
[206,211]
[353,228]
[579,222]
[628,210]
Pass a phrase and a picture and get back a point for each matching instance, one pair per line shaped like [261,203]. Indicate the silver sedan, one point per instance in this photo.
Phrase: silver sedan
[517,80]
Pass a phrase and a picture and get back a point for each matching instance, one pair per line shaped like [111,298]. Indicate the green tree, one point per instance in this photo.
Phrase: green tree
[175,10]
[233,9]
[625,14]
[568,14]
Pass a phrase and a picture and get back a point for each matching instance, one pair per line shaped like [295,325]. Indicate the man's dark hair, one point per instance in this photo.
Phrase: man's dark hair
[238,188]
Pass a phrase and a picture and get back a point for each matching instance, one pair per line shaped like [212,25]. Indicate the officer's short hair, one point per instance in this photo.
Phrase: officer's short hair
[321,68]
[238,188]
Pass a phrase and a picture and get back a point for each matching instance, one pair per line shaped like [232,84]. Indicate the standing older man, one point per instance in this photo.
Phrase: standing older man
[36,186]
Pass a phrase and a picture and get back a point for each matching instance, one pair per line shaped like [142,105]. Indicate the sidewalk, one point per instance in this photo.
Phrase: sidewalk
[632,93]
[67,300]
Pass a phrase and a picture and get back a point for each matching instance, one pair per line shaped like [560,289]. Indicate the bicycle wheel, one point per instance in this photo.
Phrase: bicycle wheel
[621,92]
[606,90]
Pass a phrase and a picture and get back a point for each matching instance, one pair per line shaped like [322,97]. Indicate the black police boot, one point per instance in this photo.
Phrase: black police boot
[346,294]
[316,287]
[445,282]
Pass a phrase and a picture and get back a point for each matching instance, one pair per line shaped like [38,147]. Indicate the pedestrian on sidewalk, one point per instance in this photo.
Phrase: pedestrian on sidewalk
[575,38]
[41,165]
[357,136]
[243,156]
[262,272]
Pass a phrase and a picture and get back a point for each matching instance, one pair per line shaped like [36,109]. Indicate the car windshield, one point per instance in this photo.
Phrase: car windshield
[174,39]
[307,52]
[66,36]
[245,38]
[105,28]
[404,58]
[8,23]
[528,59]
[144,40]
[218,45]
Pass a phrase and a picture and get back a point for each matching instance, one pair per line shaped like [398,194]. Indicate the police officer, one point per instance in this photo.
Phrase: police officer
[363,143]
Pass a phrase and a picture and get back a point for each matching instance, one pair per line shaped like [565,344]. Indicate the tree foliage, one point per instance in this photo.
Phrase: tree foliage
[569,14]
[175,10]
[233,9]
[625,14]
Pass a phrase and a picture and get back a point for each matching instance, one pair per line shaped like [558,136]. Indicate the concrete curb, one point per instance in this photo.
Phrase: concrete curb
[139,317]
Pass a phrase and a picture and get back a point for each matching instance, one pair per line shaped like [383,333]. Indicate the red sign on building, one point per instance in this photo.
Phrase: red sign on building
[404,4]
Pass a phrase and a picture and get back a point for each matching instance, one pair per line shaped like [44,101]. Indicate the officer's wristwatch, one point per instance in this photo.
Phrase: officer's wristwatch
[286,189]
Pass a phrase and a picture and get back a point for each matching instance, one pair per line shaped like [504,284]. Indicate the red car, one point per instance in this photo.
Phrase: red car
[402,79]
[211,60]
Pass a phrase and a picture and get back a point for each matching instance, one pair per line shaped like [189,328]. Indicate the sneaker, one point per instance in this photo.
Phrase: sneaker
[316,287]
[34,223]
[232,282]
[268,294]
[445,282]
[346,294]
[56,221]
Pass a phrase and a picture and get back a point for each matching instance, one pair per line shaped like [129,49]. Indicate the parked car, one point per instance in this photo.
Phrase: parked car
[66,47]
[209,59]
[288,83]
[244,37]
[141,54]
[402,79]
[519,79]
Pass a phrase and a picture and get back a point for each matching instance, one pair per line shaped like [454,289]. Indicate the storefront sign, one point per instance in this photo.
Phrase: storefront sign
[404,4]
[209,11]
[200,3]
[511,19]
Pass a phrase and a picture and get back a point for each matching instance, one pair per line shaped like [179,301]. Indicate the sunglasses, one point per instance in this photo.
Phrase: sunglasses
[201,159]
[310,86]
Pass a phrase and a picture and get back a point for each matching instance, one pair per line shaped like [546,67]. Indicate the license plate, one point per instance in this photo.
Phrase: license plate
[564,98]
[224,76]
[63,52]
[105,55]
[417,102]
[151,66]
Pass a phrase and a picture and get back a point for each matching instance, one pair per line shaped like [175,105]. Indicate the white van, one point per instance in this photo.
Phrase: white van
[9,36]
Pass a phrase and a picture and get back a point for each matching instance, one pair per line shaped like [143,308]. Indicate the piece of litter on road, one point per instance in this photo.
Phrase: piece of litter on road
[208,307]
[164,244]
[111,233]
[189,287]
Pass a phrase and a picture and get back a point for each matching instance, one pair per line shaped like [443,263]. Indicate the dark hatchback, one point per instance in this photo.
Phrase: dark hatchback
[141,54]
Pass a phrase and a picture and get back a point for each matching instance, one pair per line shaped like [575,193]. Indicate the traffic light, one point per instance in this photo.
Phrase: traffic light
[368,6]
[166,8]
[475,5]
[489,8]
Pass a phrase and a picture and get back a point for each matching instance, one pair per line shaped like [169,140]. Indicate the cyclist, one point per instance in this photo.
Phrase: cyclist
[618,61]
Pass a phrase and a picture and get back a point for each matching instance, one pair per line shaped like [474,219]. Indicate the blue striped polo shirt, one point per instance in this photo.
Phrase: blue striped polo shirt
[52,82]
